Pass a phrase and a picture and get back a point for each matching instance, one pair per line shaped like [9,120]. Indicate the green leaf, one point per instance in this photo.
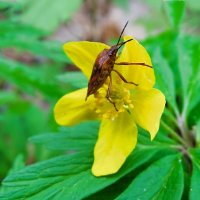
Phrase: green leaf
[71,79]
[19,121]
[10,28]
[26,38]
[175,10]
[66,177]
[47,15]
[7,97]
[188,65]
[161,140]
[164,78]
[197,132]
[27,79]
[11,6]
[17,165]
[5,4]
[162,180]
[195,180]
[78,138]
[193,52]
[184,65]
[69,177]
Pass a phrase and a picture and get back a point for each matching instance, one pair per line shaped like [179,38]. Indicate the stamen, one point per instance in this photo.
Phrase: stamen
[119,94]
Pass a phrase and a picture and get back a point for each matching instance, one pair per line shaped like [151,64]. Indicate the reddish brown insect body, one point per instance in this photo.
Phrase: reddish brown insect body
[104,65]
[102,68]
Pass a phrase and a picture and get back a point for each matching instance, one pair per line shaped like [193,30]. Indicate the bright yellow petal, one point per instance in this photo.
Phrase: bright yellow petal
[72,108]
[83,54]
[117,139]
[134,52]
[148,108]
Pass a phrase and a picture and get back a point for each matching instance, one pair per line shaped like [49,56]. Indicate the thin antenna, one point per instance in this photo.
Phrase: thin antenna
[122,43]
[122,33]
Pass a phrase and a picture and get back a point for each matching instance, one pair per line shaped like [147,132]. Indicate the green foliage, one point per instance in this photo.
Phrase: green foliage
[47,15]
[165,77]
[194,5]
[175,11]
[33,76]
[27,79]
[161,182]
[54,178]
[26,38]
[66,139]
[71,79]
[194,188]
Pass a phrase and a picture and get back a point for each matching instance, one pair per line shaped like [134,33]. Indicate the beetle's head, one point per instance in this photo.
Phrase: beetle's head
[114,49]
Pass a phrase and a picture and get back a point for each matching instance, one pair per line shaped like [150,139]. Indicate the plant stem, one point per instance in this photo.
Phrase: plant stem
[173,133]
[184,131]
[171,116]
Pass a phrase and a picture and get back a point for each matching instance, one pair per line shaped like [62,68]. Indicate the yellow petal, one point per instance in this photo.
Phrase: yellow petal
[135,53]
[148,108]
[117,139]
[72,108]
[83,54]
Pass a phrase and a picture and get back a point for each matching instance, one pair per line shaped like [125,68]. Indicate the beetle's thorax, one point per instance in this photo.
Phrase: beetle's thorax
[107,58]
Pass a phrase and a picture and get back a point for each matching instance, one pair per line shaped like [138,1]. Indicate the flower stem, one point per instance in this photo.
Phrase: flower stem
[171,116]
[173,133]
[184,131]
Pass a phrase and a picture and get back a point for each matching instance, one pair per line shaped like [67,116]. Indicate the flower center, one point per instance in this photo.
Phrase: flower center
[119,95]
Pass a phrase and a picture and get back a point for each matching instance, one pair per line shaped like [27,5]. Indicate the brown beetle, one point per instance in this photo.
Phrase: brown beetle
[104,65]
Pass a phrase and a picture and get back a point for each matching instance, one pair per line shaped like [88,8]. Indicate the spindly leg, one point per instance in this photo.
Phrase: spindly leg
[108,93]
[128,63]
[123,79]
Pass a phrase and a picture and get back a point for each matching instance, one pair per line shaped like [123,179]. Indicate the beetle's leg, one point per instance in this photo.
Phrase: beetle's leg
[108,93]
[128,63]
[123,79]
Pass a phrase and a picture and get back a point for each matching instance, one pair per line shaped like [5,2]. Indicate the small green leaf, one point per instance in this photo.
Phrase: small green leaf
[18,164]
[47,15]
[164,78]
[162,180]
[175,10]
[197,132]
[184,65]
[195,180]
[194,84]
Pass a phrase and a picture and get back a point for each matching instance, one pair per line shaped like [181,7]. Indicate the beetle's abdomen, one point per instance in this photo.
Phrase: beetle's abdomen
[101,70]
[97,80]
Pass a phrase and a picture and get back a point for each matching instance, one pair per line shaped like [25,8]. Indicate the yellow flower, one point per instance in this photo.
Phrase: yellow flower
[142,105]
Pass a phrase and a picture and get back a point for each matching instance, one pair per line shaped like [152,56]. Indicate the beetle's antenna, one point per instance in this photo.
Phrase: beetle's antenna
[122,43]
[122,33]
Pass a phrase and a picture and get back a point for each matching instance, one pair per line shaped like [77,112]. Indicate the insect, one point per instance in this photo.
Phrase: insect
[104,65]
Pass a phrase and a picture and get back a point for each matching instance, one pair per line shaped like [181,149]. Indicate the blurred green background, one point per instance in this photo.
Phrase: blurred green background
[35,73]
